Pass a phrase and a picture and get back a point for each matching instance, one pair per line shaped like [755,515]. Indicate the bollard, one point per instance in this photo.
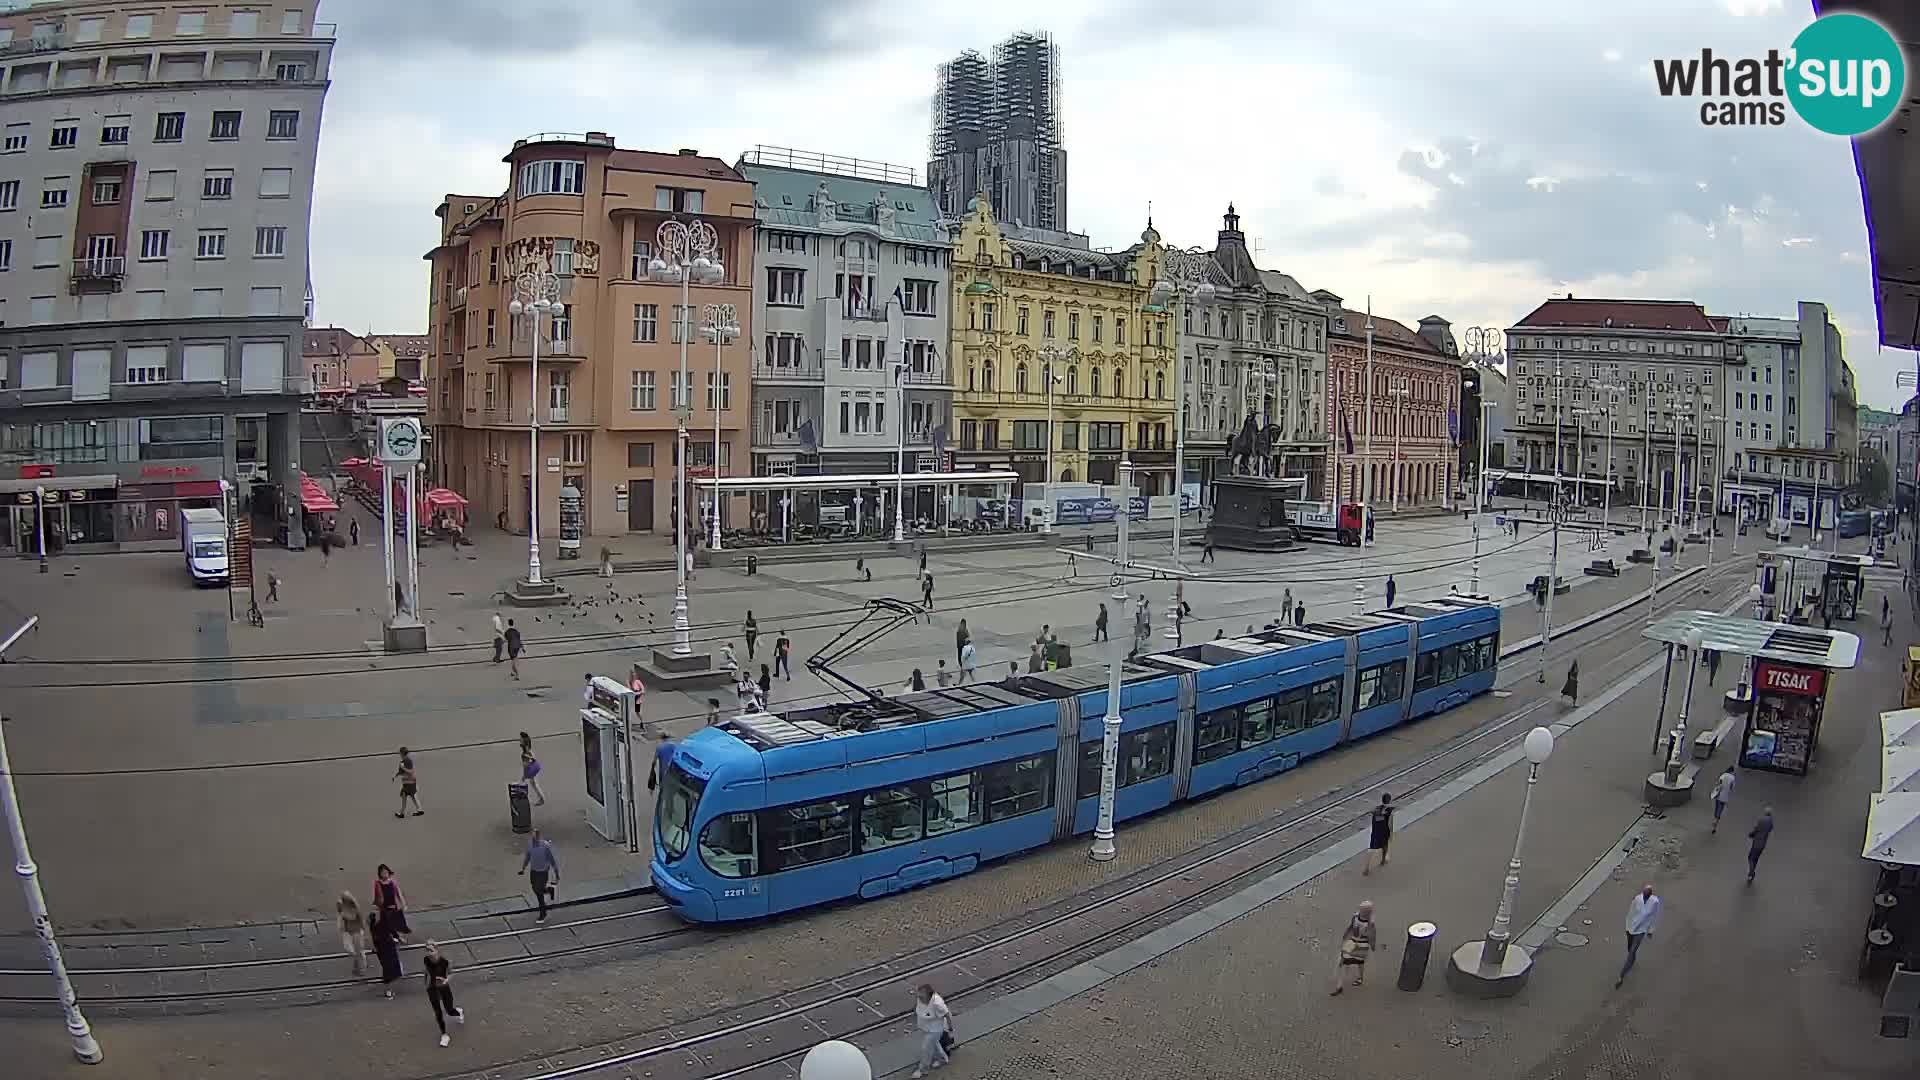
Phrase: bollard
[518,808]
[753,565]
[1413,960]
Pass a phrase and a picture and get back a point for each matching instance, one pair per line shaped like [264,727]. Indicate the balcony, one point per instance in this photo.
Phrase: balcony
[856,313]
[558,351]
[574,414]
[809,369]
[107,270]
[457,298]
[765,435]
[929,375]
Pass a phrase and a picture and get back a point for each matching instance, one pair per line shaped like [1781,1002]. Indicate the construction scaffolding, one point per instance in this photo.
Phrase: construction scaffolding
[997,128]
[962,104]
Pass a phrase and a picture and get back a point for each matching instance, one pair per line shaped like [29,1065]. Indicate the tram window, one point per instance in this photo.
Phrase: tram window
[1324,705]
[680,793]
[1426,670]
[1023,786]
[890,816]
[1256,722]
[954,803]
[1146,754]
[800,835]
[1381,685]
[1216,734]
[1290,711]
[1089,769]
[727,845]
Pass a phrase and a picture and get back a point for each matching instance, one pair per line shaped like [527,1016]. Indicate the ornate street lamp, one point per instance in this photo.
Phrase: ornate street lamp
[688,254]
[535,293]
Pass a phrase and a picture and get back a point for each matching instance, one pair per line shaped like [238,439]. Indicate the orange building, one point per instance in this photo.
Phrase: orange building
[609,397]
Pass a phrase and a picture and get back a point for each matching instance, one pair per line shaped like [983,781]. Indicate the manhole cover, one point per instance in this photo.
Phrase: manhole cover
[1470,1029]
[1571,940]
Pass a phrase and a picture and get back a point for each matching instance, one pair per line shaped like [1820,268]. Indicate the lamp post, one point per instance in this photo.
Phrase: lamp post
[1484,968]
[535,293]
[1189,270]
[1366,474]
[1103,849]
[1554,514]
[835,1060]
[720,325]
[1400,395]
[687,252]
[900,454]
[40,523]
[1613,392]
[1480,492]
[1713,519]
[1675,763]
[1048,357]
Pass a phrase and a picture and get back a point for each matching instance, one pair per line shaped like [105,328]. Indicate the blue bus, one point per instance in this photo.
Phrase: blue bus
[768,813]
[1855,523]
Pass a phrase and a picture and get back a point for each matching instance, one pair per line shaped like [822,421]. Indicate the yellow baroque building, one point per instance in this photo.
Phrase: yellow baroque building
[1036,306]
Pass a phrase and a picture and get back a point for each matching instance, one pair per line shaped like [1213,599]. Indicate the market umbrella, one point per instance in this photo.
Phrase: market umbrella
[1893,828]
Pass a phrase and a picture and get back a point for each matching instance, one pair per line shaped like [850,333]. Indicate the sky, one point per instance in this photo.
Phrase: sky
[1464,167]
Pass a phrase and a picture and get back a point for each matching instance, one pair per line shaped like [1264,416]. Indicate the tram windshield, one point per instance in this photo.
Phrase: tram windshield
[679,798]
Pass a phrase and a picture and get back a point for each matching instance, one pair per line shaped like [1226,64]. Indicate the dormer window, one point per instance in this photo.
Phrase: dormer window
[1340,324]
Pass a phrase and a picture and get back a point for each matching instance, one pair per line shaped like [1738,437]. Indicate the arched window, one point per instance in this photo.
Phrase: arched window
[983,247]
[987,382]
[1160,385]
[1066,476]
[1019,261]
[969,378]
[1095,383]
[1020,379]
[1119,383]
[1073,379]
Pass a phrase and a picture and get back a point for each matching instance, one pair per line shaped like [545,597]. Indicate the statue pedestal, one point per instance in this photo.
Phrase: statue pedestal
[1250,513]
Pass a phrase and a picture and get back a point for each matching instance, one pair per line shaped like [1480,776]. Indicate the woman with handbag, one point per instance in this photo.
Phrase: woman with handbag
[934,1021]
[1356,941]
[530,769]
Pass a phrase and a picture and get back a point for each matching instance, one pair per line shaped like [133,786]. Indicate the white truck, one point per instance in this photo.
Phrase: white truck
[203,540]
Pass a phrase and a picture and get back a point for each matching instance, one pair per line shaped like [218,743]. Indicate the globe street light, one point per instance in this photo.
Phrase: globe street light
[1613,392]
[1400,394]
[535,293]
[1049,356]
[1494,967]
[835,1060]
[687,254]
[1103,849]
[720,326]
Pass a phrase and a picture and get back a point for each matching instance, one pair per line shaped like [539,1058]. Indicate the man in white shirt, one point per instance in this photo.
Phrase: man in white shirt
[1722,794]
[1643,913]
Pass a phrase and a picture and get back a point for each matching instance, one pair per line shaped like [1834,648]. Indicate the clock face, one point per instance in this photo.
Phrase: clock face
[403,440]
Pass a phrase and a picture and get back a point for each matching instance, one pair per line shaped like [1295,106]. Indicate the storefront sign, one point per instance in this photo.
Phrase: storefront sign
[35,472]
[168,472]
[1802,682]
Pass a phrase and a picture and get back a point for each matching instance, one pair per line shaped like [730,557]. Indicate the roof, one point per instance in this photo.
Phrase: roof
[788,194]
[1284,285]
[1621,315]
[333,341]
[1054,253]
[684,163]
[1385,332]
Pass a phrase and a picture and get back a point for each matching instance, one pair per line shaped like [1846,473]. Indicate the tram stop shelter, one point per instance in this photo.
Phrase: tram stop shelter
[1812,580]
[828,506]
[1779,725]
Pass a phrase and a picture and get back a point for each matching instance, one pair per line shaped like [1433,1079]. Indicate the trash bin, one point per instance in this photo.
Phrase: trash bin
[518,808]
[1413,960]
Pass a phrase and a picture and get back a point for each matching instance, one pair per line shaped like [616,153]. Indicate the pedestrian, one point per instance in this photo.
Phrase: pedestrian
[1035,661]
[606,562]
[385,937]
[744,692]
[542,868]
[1391,589]
[439,990]
[1206,551]
[961,636]
[1886,622]
[1757,841]
[326,549]
[499,638]
[1300,614]
[515,646]
[1356,941]
[1013,673]
[1286,603]
[1722,794]
[409,785]
[389,901]
[859,566]
[942,677]
[1219,634]
[766,685]
[1100,624]
[530,770]
[934,1021]
[689,564]
[662,758]
[926,595]
[1571,688]
[966,663]
[1381,833]
[713,711]
[782,655]
[750,629]
[727,658]
[923,558]
[1643,914]
[586,698]
[273,587]
[353,930]
[916,682]
[353,531]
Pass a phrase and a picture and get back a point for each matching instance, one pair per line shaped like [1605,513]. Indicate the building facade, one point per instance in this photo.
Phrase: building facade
[851,302]
[610,395]
[156,181]
[1030,307]
[1792,424]
[339,359]
[1257,351]
[1393,439]
[1651,373]
[997,129]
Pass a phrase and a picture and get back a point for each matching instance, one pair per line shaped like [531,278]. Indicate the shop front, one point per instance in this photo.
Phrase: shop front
[97,512]
[1783,727]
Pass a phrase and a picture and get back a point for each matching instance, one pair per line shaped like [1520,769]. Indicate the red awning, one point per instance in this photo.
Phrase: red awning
[314,499]
[440,498]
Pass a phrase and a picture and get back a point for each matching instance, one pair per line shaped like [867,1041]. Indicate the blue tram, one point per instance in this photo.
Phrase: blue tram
[773,813]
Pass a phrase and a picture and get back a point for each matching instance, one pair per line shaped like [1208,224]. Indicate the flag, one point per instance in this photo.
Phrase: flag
[808,440]
[1346,431]
[1453,424]
[899,297]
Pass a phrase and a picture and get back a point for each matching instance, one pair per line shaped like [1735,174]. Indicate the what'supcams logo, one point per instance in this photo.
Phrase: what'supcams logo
[1844,75]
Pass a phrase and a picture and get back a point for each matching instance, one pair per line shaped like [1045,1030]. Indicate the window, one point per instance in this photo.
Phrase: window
[46,250]
[1018,787]
[282,124]
[786,288]
[641,393]
[169,126]
[892,816]
[1087,779]
[917,297]
[986,320]
[563,256]
[212,244]
[66,135]
[160,184]
[1073,326]
[562,332]
[153,244]
[138,26]
[265,300]
[682,323]
[1216,734]
[113,130]
[191,22]
[206,303]
[573,445]
[6,254]
[53,192]
[275,183]
[243,24]
[16,139]
[9,194]
[553,178]
[226,125]
[1029,434]
[726,391]
[801,835]
[1046,324]
[642,254]
[678,391]
[646,323]
[217,184]
[679,200]
[1380,685]
[292,71]
[270,242]
[1096,329]
[147,364]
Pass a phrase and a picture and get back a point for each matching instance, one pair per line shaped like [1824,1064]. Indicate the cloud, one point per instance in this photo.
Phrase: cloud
[649,29]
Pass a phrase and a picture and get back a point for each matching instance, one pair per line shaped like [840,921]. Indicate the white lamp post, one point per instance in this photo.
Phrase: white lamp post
[835,1060]
[1480,491]
[1048,357]
[687,252]
[1190,267]
[721,325]
[1613,392]
[1494,967]
[1400,395]
[1103,849]
[1675,762]
[1713,519]
[900,454]
[535,293]
[1366,473]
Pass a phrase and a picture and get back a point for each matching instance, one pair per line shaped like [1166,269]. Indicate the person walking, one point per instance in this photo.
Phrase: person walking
[1886,621]
[1356,942]
[916,682]
[728,660]
[966,663]
[713,712]
[542,868]
[934,1021]
[1713,665]
[941,676]
[926,595]
[1100,624]
[783,655]
[515,646]
[766,686]
[750,629]
[1206,551]
[273,587]
[1013,673]
[1392,588]
[389,901]
[440,990]
[1300,614]
[1757,841]
[353,930]
[1380,834]
[499,638]
[860,566]
[606,563]
[1722,794]
[961,637]
[923,558]
[1036,661]
[385,936]
[1286,603]
[1643,914]
[663,750]
[353,531]
[409,779]
[1570,689]
[530,769]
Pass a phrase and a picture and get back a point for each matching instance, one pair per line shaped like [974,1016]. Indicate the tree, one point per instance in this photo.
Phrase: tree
[1873,479]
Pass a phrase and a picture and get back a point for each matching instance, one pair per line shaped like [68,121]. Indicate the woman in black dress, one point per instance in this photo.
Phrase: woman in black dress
[388,900]
[1381,833]
[386,946]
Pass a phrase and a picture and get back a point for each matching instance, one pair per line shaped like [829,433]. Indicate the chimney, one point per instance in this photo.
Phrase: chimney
[684,152]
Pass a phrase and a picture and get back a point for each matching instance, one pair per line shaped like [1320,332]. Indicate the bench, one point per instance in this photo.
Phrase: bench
[1602,568]
[1696,537]
[1640,555]
[1707,742]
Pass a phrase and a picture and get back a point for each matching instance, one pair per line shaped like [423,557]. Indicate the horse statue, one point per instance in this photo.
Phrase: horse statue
[1244,446]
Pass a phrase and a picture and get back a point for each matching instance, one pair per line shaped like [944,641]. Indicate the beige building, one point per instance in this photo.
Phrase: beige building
[609,393]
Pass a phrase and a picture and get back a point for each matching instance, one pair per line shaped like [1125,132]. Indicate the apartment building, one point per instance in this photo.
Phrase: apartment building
[1791,419]
[156,178]
[1393,437]
[610,396]
[1653,374]
[1257,350]
[1034,308]
[851,300]
[337,359]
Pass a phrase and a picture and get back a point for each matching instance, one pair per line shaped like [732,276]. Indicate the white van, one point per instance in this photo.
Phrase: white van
[203,540]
